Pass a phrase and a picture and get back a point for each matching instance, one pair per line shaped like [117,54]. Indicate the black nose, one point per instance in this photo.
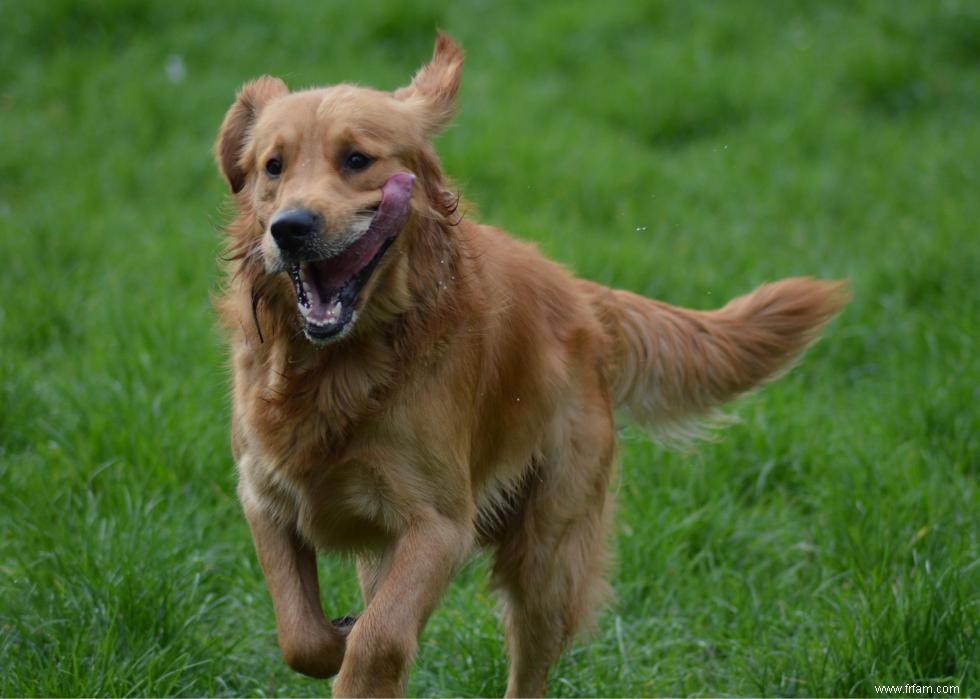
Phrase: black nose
[294,228]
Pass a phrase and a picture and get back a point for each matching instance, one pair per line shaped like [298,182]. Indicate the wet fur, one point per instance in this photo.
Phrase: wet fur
[471,403]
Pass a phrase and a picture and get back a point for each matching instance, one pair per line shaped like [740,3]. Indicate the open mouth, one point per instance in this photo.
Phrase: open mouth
[328,291]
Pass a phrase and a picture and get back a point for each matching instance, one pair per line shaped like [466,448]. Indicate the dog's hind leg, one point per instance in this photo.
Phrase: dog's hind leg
[552,556]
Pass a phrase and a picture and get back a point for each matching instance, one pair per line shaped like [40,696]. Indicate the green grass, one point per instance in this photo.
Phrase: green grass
[825,544]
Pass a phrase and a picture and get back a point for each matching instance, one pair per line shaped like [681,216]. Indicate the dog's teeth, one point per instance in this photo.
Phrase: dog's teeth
[336,309]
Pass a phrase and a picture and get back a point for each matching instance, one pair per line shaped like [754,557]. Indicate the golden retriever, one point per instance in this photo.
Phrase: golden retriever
[410,384]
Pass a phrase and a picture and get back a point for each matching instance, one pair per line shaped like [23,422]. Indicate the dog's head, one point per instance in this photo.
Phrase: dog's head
[326,180]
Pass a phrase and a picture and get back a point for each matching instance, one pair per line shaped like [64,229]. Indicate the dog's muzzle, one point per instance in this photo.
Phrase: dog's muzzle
[328,290]
[295,230]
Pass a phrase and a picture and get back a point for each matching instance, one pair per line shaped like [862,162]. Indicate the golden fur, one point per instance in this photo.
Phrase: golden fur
[470,400]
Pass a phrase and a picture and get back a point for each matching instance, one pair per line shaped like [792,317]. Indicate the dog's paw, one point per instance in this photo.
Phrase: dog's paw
[344,624]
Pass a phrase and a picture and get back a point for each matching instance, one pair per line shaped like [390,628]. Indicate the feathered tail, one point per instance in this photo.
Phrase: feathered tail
[672,367]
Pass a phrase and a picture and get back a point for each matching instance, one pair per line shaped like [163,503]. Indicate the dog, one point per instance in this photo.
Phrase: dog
[410,385]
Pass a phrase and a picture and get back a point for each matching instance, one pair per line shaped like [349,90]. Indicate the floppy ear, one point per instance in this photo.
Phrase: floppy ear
[238,124]
[432,92]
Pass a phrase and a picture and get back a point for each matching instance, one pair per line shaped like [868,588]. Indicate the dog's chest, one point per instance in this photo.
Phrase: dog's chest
[350,455]
[344,504]
[345,494]
[311,463]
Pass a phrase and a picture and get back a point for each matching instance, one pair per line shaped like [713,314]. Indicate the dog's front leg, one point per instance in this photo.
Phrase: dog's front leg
[309,643]
[382,644]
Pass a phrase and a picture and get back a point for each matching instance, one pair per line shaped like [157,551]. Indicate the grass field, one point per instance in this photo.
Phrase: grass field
[826,543]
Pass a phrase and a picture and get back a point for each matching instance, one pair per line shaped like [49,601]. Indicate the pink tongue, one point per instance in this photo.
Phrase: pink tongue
[395,196]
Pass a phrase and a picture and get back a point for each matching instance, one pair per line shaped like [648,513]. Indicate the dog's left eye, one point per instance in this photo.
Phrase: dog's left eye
[357,161]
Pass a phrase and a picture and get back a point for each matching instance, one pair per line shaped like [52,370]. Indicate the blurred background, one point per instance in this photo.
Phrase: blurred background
[685,150]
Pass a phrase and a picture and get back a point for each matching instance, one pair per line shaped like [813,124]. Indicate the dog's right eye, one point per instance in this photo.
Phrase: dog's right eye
[273,167]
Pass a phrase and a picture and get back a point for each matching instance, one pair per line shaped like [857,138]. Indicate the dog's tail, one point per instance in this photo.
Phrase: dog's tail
[672,367]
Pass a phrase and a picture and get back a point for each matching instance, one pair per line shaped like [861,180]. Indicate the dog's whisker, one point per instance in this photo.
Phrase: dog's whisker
[256,297]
